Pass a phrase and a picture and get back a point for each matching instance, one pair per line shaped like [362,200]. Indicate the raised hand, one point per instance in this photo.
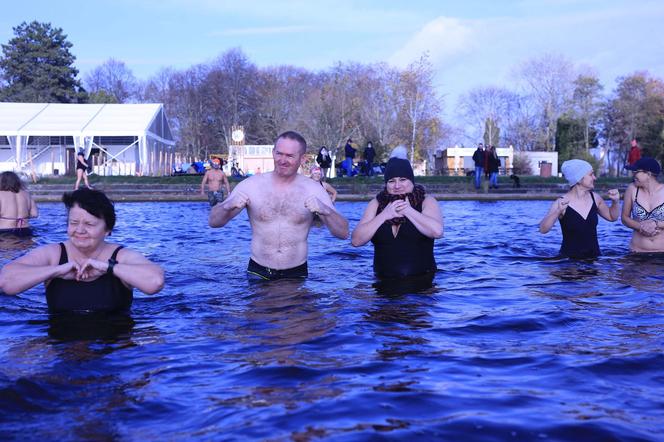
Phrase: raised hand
[561,204]
[315,206]
[238,200]
[68,270]
[614,195]
[91,269]
[391,211]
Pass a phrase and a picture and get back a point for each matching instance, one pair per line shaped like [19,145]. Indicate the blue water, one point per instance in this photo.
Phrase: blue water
[509,343]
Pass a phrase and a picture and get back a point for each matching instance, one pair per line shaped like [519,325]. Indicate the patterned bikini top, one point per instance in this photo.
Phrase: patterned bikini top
[641,214]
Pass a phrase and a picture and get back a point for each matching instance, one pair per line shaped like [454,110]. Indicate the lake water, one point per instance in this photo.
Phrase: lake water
[509,343]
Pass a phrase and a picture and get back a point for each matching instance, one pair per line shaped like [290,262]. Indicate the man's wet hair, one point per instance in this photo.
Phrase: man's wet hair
[95,202]
[9,181]
[292,135]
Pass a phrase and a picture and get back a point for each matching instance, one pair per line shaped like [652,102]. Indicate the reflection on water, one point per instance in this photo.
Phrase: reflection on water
[505,331]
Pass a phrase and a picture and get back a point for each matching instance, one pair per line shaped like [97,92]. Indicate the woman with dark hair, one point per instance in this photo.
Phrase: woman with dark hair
[402,222]
[84,273]
[643,207]
[81,170]
[16,206]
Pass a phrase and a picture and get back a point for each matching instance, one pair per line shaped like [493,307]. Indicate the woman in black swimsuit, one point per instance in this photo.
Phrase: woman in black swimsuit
[402,222]
[577,211]
[81,169]
[84,273]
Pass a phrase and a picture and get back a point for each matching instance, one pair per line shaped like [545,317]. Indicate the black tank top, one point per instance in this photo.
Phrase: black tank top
[580,235]
[409,254]
[105,294]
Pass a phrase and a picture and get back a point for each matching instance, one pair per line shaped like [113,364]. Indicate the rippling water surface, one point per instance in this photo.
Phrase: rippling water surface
[510,343]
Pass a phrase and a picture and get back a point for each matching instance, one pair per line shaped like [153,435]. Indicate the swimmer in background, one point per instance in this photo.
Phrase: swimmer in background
[16,206]
[577,211]
[81,170]
[215,178]
[643,207]
[281,206]
[317,175]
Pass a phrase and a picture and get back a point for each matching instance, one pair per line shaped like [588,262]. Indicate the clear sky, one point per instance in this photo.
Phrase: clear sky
[471,42]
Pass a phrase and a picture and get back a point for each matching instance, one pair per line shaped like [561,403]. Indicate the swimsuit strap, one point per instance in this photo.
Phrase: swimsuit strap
[115,252]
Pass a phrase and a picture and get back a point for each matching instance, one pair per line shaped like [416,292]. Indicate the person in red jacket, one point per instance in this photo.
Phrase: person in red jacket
[634,153]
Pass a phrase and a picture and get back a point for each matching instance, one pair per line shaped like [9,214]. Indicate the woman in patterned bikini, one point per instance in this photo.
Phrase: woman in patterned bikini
[643,209]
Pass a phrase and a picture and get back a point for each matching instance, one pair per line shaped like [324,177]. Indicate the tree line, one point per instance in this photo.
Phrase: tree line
[552,106]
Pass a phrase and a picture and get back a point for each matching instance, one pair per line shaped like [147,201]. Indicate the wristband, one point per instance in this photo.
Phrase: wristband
[111,264]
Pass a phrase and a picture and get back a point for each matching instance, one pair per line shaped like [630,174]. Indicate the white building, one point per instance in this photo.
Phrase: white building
[459,160]
[117,139]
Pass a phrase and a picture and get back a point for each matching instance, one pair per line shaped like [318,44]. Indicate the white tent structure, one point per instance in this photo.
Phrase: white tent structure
[117,139]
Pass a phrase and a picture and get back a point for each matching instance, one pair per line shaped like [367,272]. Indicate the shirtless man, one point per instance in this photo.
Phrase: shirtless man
[281,206]
[16,206]
[214,178]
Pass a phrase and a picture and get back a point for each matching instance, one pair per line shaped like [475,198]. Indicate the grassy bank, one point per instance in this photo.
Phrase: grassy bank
[377,180]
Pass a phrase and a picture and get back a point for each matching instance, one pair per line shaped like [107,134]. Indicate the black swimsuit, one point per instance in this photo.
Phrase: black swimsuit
[410,253]
[579,234]
[79,165]
[105,294]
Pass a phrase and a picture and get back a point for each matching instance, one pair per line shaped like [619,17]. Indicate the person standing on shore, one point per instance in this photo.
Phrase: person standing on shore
[281,206]
[81,170]
[324,160]
[478,158]
[215,178]
[16,206]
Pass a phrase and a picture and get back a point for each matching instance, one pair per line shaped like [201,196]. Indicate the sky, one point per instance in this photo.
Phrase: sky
[471,43]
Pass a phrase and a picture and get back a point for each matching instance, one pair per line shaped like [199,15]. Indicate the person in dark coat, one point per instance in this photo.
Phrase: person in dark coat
[369,155]
[324,160]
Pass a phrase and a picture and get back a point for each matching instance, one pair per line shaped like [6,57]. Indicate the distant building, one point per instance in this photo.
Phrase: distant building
[117,139]
[459,160]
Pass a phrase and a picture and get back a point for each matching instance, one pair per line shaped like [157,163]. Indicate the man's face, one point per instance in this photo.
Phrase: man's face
[288,157]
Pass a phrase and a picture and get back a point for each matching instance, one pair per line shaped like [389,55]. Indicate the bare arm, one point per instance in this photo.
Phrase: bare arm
[370,222]
[331,191]
[135,270]
[35,267]
[227,184]
[224,212]
[555,212]
[34,211]
[429,222]
[609,213]
[204,182]
[333,220]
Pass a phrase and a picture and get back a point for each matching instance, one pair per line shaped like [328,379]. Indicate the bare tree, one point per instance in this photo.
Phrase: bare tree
[420,106]
[548,81]
[112,81]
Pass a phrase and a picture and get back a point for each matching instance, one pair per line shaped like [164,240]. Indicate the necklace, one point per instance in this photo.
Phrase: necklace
[80,262]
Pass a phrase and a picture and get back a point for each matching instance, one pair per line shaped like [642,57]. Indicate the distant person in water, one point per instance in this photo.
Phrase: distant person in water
[16,206]
[215,178]
[317,175]
[643,207]
[85,273]
[81,170]
[577,211]
[402,222]
[281,206]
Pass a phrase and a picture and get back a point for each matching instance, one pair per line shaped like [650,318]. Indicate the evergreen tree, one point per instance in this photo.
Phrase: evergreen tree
[37,66]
